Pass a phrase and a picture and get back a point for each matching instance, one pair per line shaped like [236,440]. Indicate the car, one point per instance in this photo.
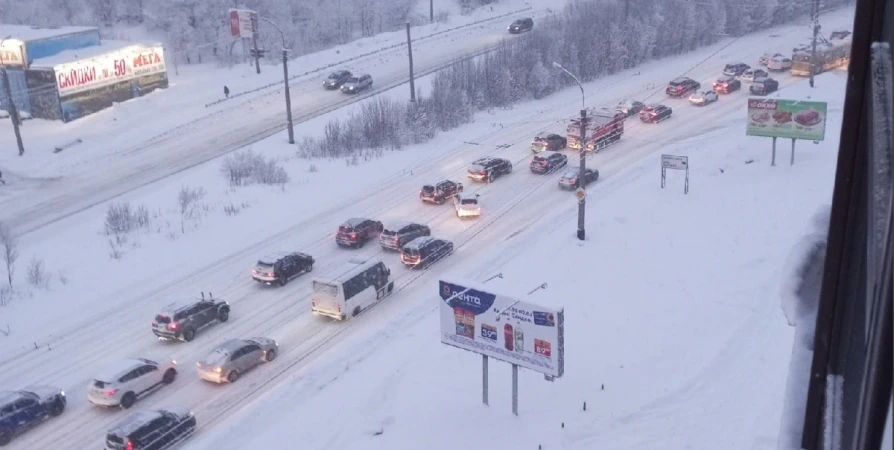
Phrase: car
[779,64]
[569,179]
[439,193]
[548,162]
[336,79]
[766,57]
[753,74]
[679,87]
[467,206]
[281,267]
[629,107]
[182,322]
[488,169]
[396,234]
[356,84]
[727,84]
[424,251]
[548,141]
[356,231]
[24,409]
[703,98]
[151,430]
[764,86]
[521,25]
[839,35]
[128,380]
[735,69]
[228,361]
[655,113]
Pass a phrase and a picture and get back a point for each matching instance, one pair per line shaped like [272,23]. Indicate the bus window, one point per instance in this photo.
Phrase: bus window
[325,288]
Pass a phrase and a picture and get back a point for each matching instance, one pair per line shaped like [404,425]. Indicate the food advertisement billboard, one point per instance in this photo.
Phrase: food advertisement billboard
[789,119]
[502,327]
[121,65]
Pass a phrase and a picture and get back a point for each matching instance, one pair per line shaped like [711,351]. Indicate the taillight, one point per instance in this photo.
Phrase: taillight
[353,235]
[154,323]
[269,274]
[172,326]
[128,445]
[313,302]
[111,392]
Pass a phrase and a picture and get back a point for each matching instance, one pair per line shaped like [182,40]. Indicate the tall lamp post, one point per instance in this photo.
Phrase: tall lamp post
[581,185]
[13,111]
[285,78]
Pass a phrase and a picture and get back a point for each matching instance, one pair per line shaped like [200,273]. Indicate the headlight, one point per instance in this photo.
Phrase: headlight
[218,370]
[62,393]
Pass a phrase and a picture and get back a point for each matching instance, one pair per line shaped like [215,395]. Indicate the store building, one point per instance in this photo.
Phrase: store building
[69,72]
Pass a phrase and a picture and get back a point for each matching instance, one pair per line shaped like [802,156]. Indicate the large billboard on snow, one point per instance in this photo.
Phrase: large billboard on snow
[125,64]
[789,119]
[479,320]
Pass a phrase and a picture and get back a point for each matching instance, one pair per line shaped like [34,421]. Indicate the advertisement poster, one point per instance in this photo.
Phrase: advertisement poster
[122,65]
[12,53]
[243,23]
[502,327]
[789,119]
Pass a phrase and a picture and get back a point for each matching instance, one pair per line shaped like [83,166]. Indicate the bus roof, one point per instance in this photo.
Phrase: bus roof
[348,270]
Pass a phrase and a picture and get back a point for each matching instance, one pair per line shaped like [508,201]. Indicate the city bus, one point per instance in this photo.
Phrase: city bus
[355,287]
[829,55]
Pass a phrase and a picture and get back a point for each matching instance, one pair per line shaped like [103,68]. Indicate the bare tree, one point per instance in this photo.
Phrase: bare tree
[187,199]
[10,250]
[38,276]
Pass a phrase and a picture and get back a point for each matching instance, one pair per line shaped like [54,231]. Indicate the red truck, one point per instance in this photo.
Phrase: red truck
[604,127]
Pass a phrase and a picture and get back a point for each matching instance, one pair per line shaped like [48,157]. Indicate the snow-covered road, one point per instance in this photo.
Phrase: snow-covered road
[511,205]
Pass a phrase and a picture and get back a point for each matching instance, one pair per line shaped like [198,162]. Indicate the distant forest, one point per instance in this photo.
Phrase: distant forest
[198,30]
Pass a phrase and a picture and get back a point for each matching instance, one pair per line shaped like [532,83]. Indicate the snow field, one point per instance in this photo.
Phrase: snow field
[512,206]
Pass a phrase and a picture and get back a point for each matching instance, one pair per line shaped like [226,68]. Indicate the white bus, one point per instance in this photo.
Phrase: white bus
[356,286]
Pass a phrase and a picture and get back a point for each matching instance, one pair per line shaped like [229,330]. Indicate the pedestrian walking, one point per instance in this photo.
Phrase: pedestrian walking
[226,91]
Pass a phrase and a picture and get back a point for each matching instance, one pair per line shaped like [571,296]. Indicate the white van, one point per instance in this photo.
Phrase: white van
[354,287]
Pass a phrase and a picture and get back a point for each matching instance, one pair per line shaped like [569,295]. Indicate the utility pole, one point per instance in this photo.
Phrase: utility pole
[13,111]
[285,78]
[410,52]
[431,11]
[254,42]
[816,28]
[581,180]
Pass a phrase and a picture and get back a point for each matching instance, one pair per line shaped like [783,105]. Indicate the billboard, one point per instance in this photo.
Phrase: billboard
[502,327]
[12,53]
[790,119]
[114,67]
[243,23]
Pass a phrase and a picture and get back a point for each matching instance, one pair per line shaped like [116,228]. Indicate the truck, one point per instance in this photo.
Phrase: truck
[604,127]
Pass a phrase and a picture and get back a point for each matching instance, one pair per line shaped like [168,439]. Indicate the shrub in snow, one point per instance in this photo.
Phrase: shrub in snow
[247,167]
[38,276]
[121,218]
[10,248]
[188,202]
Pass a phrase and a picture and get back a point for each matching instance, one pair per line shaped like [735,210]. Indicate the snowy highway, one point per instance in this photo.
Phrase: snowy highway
[511,205]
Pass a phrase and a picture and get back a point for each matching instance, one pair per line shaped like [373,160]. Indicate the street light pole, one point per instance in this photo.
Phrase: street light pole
[581,177]
[13,111]
[816,28]
[285,78]
[410,52]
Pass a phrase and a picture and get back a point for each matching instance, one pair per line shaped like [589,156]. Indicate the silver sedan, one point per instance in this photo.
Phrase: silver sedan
[230,360]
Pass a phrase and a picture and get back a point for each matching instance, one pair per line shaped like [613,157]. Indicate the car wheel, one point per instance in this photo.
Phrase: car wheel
[270,356]
[233,376]
[283,280]
[356,311]
[310,268]
[169,377]
[510,169]
[490,177]
[361,243]
[223,315]
[57,408]
[128,400]
[440,201]
[189,335]
[4,439]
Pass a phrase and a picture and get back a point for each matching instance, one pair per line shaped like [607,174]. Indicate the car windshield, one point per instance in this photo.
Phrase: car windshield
[387,232]
[162,319]
[469,201]
[411,252]
[216,357]
[325,288]
[353,80]
[428,188]
[334,76]
[570,174]
[345,229]
[263,265]
[476,168]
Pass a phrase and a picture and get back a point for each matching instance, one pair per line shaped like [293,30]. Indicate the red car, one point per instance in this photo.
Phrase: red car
[727,84]
[355,232]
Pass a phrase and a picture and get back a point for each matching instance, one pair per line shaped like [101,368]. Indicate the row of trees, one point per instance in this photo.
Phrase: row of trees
[591,38]
[198,30]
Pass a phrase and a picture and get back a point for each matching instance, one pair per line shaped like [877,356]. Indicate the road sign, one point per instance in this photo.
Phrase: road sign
[674,162]
[581,194]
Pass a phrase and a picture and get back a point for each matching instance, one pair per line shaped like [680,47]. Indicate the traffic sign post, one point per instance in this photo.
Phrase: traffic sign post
[675,162]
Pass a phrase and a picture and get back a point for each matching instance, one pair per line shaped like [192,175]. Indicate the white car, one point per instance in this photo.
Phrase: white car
[703,98]
[779,63]
[128,380]
[753,74]
[766,57]
[466,205]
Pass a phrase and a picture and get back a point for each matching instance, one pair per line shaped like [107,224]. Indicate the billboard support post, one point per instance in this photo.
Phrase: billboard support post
[484,379]
[676,163]
[773,158]
[792,163]
[515,389]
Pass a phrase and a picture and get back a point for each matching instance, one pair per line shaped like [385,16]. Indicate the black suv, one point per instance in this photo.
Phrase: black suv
[488,169]
[440,192]
[279,268]
[655,113]
[355,232]
[521,25]
[336,79]
[764,86]
[151,430]
[681,86]
[425,251]
[546,142]
[183,322]
[399,233]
